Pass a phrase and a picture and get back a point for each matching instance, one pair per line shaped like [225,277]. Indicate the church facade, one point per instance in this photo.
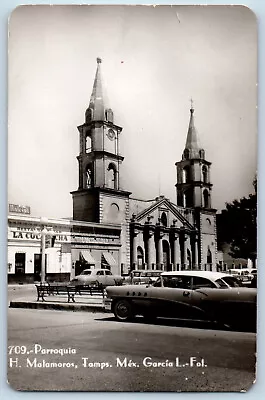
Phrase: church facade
[154,234]
[110,228]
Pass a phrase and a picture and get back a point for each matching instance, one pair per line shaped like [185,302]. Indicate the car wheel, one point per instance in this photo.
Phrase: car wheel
[94,283]
[123,310]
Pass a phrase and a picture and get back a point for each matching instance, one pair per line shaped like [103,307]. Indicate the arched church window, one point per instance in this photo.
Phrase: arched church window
[89,115]
[204,174]
[202,154]
[184,200]
[206,198]
[186,154]
[112,176]
[88,144]
[140,257]
[89,176]
[109,115]
[186,175]
[164,219]
[114,211]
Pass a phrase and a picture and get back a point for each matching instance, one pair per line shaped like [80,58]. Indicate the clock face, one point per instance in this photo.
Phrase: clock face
[111,134]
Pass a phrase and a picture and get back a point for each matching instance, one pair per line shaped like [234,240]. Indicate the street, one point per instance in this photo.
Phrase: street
[93,352]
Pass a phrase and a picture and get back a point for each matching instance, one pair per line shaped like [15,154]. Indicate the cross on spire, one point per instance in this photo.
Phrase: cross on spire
[191,103]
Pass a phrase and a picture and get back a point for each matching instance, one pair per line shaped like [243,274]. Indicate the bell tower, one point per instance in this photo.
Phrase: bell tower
[99,160]
[193,172]
[194,191]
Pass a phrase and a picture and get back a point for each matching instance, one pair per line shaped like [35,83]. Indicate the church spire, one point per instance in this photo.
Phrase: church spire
[192,148]
[96,104]
[97,110]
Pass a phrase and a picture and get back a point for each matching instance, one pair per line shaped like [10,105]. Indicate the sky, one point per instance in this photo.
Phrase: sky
[154,60]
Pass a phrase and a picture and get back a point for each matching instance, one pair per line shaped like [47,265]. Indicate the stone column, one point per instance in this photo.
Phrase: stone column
[159,252]
[150,246]
[184,251]
[149,240]
[134,230]
[176,251]
[134,249]
[159,233]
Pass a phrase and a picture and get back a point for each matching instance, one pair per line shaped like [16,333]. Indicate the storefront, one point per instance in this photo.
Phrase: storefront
[25,249]
[70,247]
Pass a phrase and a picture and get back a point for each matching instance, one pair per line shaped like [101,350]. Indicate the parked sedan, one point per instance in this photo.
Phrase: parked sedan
[242,274]
[196,295]
[97,276]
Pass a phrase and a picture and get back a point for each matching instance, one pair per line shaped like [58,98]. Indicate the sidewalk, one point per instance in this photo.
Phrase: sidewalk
[28,299]
[45,305]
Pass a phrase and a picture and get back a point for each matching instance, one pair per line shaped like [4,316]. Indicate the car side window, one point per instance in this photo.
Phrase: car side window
[108,273]
[157,283]
[100,273]
[199,282]
[179,282]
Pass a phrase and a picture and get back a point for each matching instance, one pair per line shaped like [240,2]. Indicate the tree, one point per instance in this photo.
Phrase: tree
[237,226]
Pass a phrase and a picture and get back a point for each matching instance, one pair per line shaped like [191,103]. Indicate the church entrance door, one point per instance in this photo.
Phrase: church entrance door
[166,257]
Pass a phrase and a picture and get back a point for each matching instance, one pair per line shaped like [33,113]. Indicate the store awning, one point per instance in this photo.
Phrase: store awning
[87,256]
[110,260]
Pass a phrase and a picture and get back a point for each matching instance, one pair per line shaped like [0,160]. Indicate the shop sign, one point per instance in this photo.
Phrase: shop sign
[35,234]
[94,239]
[15,208]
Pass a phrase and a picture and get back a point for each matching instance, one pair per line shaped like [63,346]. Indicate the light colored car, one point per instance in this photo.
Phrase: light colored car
[243,274]
[142,277]
[195,295]
[97,276]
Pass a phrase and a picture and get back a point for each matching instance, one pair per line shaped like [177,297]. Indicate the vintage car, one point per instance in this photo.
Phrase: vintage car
[97,276]
[141,277]
[244,275]
[196,295]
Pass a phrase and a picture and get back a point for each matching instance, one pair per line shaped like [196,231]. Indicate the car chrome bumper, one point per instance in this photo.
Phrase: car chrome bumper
[107,304]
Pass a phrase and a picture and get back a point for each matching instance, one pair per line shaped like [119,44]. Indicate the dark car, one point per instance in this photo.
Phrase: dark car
[196,295]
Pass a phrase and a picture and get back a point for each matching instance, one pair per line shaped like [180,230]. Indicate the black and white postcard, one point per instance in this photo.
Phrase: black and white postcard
[132,198]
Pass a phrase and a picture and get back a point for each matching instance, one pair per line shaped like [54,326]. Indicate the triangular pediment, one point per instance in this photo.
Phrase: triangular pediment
[163,208]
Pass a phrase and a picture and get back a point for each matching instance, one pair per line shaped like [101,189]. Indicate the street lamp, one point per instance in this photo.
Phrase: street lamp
[43,223]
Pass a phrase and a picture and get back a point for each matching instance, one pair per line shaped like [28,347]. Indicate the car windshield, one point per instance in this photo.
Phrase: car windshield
[222,283]
[158,282]
[86,273]
[232,281]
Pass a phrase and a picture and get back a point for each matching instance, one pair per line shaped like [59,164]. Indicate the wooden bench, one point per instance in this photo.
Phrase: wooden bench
[44,290]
